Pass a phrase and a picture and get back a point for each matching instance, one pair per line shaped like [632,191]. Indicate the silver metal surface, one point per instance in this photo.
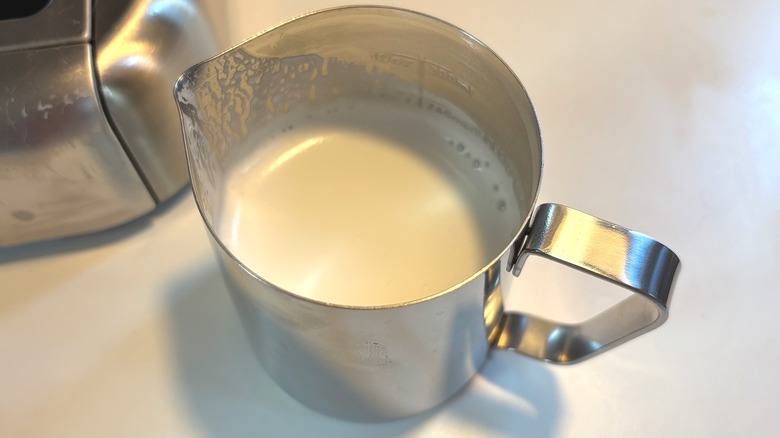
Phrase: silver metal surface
[366,364]
[80,153]
[384,362]
[141,49]
[62,170]
[61,22]
[605,250]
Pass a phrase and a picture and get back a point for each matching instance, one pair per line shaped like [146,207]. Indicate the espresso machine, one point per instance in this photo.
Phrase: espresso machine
[89,133]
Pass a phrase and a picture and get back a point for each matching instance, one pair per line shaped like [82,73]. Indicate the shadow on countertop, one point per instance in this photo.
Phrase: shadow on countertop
[229,394]
[64,245]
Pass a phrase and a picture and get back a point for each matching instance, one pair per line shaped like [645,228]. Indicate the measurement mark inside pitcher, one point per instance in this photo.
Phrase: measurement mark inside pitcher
[425,66]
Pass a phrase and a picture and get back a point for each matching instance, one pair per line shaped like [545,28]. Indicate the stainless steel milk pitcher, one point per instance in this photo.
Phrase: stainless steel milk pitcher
[379,362]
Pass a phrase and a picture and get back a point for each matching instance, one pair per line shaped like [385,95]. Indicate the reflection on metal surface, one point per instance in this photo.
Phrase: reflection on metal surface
[494,302]
[62,171]
[141,49]
[608,251]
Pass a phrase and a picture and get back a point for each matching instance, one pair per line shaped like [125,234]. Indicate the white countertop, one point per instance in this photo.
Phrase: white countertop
[661,116]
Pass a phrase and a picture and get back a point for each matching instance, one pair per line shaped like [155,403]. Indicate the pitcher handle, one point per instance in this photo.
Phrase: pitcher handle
[608,251]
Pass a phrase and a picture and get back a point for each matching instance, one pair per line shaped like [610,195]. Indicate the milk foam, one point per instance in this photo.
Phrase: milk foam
[367,204]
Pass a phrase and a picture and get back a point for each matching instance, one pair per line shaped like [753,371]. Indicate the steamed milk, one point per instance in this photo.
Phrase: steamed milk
[367,204]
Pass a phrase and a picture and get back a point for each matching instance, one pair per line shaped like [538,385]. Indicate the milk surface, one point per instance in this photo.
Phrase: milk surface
[367,204]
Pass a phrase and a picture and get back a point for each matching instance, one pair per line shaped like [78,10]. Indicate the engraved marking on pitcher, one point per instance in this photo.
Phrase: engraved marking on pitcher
[430,67]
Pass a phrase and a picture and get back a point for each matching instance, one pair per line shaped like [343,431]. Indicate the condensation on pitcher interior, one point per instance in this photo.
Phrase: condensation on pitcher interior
[366,203]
